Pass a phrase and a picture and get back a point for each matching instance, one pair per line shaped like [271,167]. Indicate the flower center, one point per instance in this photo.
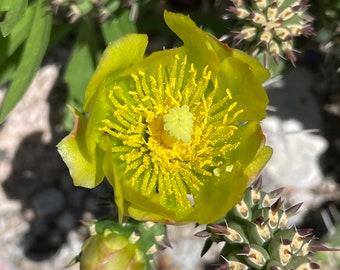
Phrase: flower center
[171,129]
[178,122]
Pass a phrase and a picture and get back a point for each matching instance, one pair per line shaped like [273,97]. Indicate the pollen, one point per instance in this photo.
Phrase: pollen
[170,126]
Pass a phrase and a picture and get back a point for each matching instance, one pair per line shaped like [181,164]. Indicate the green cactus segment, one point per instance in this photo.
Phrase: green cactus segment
[78,9]
[126,246]
[256,235]
[272,24]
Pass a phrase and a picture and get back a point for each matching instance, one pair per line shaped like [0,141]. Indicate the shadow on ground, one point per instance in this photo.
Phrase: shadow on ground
[41,182]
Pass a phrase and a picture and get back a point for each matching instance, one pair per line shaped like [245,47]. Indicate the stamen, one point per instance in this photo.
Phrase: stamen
[171,129]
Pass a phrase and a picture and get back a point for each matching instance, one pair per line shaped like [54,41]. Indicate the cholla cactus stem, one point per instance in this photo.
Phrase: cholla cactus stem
[269,27]
[261,239]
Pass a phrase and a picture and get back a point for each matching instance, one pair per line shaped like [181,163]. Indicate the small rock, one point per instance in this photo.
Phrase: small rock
[295,161]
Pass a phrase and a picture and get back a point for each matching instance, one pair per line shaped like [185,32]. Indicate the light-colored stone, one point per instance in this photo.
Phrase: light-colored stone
[293,130]
[185,253]
[30,115]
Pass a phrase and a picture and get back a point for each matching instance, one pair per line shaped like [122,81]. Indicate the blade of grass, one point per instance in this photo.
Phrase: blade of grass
[82,62]
[9,44]
[80,67]
[33,53]
[14,11]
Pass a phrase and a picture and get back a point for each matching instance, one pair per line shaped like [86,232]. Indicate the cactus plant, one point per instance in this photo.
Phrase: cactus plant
[269,27]
[256,235]
[77,9]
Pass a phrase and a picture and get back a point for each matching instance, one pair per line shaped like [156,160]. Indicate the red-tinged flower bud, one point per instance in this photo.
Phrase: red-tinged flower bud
[110,251]
[127,246]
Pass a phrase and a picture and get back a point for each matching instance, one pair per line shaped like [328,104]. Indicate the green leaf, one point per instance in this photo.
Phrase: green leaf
[33,53]
[18,35]
[11,46]
[8,66]
[82,63]
[60,30]
[14,11]
[115,27]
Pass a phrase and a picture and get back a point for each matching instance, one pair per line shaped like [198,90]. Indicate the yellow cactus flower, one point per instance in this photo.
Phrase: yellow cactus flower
[176,133]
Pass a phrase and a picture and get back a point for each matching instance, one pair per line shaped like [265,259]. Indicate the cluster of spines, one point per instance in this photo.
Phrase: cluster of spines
[257,236]
[75,9]
[269,26]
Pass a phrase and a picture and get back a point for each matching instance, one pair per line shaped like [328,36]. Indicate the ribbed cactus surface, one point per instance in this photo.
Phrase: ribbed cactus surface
[271,25]
[127,246]
[75,9]
[256,235]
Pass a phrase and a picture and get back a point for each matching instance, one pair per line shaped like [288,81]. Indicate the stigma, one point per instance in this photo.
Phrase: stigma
[179,122]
